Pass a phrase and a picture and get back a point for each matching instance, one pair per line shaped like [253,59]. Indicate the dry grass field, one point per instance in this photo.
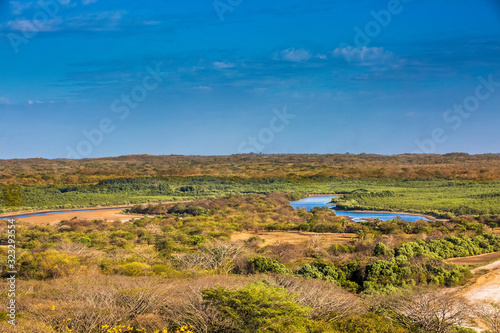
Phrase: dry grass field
[481,259]
[107,215]
[294,237]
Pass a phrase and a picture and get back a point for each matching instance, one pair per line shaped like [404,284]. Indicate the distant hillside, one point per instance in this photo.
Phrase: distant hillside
[405,166]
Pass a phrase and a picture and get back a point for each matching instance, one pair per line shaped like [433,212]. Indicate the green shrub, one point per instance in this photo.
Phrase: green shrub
[258,308]
[382,250]
[132,269]
[342,275]
[263,264]
[49,265]
[340,248]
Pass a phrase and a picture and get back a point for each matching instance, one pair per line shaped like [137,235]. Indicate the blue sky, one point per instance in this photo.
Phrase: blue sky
[233,76]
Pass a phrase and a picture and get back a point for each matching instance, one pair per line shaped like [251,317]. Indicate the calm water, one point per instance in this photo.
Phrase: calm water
[311,202]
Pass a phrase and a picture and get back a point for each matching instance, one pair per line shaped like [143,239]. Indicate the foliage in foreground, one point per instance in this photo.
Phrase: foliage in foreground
[98,304]
[180,269]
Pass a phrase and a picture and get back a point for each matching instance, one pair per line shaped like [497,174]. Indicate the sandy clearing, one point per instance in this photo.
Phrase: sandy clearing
[485,288]
[293,237]
[107,215]
[110,213]
[15,215]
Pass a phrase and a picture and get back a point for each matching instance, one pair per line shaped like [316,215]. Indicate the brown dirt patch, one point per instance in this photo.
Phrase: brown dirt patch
[107,215]
[475,260]
[485,287]
[293,237]
[103,213]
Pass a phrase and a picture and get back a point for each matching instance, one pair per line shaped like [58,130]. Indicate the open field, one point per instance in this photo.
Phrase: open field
[481,259]
[106,215]
[252,166]
[294,237]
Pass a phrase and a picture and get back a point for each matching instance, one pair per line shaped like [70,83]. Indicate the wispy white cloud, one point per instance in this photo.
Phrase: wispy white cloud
[151,22]
[202,88]
[100,21]
[34,25]
[222,65]
[293,55]
[259,90]
[32,102]
[94,21]
[363,54]
[4,101]
[18,7]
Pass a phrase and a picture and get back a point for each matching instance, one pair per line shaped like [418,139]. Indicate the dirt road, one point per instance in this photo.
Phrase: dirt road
[487,286]
[481,259]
